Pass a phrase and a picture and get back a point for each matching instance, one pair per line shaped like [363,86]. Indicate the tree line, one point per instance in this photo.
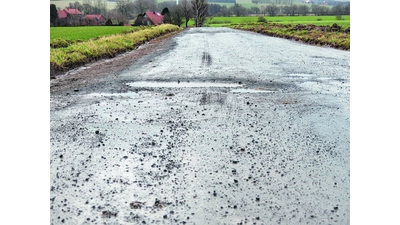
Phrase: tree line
[126,10]
[196,10]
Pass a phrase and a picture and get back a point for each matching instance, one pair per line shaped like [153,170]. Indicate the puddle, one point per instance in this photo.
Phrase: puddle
[181,84]
[251,91]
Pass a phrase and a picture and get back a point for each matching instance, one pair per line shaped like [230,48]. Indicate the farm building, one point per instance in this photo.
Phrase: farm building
[94,19]
[151,18]
[69,17]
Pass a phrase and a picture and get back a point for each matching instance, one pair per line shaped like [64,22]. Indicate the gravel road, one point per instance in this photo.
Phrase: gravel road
[210,126]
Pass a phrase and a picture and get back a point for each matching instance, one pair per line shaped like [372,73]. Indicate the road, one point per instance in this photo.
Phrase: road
[213,126]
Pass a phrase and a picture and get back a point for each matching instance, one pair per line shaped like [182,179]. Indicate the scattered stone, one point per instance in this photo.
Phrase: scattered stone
[158,203]
[108,214]
[136,205]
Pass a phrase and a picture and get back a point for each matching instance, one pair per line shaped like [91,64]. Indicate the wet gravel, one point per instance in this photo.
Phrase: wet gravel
[226,127]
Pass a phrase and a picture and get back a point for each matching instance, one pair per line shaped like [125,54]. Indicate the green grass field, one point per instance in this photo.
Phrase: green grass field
[317,20]
[90,32]
[86,32]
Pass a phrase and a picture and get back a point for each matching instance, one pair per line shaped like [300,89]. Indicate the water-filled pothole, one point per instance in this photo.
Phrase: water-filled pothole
[182,84]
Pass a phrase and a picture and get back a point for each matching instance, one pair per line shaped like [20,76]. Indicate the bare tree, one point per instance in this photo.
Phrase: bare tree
[187,11]
[177,15]
[124,7]
[263,10]
[200,11]
[238,10]
[303,10]
[272,10]
[142,6]
[101,6]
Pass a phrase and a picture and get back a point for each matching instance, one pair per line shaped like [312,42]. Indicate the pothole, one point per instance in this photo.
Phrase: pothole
[180,84]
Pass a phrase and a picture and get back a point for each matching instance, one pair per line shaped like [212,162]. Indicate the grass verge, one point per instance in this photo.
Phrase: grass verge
[73,54]
[333,36]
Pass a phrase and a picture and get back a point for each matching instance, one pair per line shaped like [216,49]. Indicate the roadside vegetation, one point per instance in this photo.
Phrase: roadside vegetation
[333,36]
[72,53]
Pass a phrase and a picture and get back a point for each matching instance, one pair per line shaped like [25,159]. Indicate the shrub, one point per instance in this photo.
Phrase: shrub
[261,19]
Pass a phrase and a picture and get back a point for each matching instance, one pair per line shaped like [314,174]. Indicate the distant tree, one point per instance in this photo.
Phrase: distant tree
[293,9]
[214,9]
[75,5]
[187,10]
[272,10]
[200,11]
[337,10]
[141,6]
[238,10]
[254,10]
[176,14]
[319,10]
[124,7]
[101,6]
[304,10]
[346,10]
[263,10]
[285,10]
[224,11]
[53,14]
[109,22]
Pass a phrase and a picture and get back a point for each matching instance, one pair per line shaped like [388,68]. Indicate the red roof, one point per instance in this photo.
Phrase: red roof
[73,11]
[62,14]
[93,16]
[155,17]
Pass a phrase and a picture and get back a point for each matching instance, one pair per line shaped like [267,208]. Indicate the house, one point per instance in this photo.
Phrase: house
[94,19]
[151,18]
[69,17]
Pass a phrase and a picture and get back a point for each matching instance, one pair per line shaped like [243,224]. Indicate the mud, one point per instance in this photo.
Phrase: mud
[269,143]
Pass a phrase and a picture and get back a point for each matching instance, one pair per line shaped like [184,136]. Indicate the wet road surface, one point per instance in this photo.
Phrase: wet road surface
[217,126]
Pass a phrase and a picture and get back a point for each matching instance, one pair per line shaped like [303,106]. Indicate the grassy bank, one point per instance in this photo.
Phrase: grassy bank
[333,36]
[66,54]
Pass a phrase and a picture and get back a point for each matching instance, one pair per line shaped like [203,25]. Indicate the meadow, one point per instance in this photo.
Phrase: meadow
[316,20]
[86,32]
